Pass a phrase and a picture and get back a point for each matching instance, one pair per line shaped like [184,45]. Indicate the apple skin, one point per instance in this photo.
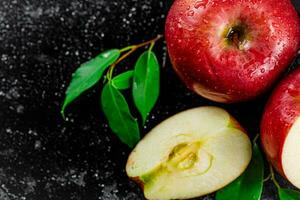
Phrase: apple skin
[281,111]
[226,66]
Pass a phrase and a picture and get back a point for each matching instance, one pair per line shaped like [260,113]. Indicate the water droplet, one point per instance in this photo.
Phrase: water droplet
[262,70]
[4,57]
[179,25]
[200,3]
[293,91]
[105,55]
[204,21]
[190,13]
[20,109]
[37,144]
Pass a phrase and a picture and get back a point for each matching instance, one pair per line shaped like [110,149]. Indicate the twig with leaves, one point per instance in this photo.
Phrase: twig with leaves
[144,80]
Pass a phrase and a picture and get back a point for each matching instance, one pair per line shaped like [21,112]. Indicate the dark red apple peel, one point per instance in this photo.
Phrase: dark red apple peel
[234,50]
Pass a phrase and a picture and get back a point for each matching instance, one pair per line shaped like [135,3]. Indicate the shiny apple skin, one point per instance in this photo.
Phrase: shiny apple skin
[194,33]
[281,111]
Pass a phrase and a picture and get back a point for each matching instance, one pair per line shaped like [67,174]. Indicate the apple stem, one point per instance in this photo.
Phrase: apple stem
[273,177]
[130,49]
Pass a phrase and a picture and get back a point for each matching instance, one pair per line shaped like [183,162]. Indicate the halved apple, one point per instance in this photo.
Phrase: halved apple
[191,154]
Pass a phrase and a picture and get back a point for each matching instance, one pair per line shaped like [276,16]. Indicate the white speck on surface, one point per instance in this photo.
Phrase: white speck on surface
[33,12]
[37,144]
[20,109]
[109,192]
[4,57]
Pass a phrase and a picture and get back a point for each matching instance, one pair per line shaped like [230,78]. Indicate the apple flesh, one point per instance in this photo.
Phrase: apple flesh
[231,50]
[190,154]
[280,128]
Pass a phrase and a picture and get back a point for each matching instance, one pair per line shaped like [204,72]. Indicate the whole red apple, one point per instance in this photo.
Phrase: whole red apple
[280,128]
[231,50]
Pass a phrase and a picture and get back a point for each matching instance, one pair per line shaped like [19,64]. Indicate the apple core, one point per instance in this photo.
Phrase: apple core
[184,156]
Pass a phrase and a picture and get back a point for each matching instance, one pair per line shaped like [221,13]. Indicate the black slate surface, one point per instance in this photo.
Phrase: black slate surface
[42,42]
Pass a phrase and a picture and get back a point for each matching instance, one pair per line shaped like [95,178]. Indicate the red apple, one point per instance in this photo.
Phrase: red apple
[231,50]
[280,128]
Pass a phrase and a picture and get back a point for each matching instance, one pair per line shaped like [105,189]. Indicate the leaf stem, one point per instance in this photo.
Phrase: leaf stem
[133,48]
[130,49]
[149,42]
[151,46]
[256,138]
[268,177]
[126,48]
[110,72]
[273,177]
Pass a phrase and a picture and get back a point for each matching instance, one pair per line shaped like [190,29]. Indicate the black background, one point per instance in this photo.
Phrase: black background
[42,42]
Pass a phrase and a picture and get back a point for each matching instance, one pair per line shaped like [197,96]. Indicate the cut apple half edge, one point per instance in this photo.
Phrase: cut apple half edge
[291,154]
[193,153]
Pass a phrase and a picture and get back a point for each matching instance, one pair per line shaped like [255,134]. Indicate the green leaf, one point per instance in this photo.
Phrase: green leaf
[123,81]
[120,120]
[250,184]
[88,74]
[146,83]
[287,194]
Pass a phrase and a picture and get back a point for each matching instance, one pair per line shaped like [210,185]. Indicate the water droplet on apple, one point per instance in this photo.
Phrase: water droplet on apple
[189,28]
[190,13]
[292,90]
[262,70]
[204,21]
[200,3]
[179,25]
